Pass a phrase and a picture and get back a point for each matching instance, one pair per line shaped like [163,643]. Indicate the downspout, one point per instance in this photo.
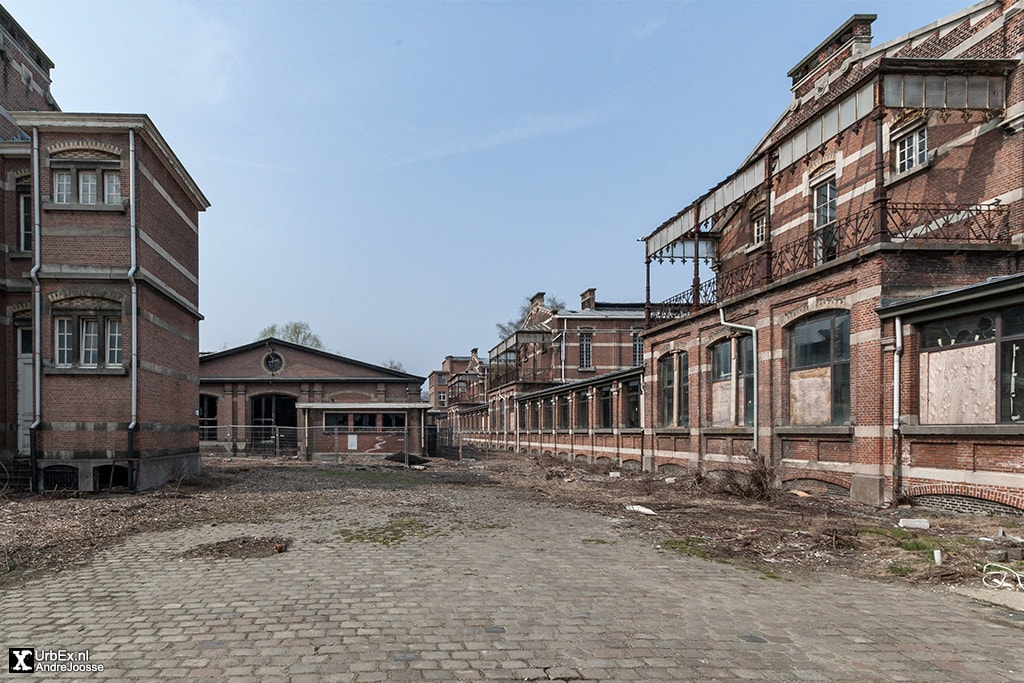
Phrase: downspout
[565,341]
[134,367]
[753,332]
[897,440]
[37,312]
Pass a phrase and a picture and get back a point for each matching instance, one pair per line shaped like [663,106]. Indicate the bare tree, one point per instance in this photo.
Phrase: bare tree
[394,365]
[508,328]
[297,332]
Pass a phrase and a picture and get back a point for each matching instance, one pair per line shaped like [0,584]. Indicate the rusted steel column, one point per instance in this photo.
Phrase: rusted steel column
[881,195]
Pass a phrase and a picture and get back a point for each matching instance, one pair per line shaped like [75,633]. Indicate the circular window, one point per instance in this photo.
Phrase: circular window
[273,361]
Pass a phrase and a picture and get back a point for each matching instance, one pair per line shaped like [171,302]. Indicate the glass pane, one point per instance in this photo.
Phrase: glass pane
[721,361]
[830,123]
[977,92]
[913,91]
[893,91]
[812,343]
[935,91]
[1013,321]
[842,337]
[956,92]
[996,92]
[814,134]
[964,329]
[1011,393]
[841,393]
[746,355]
[865,100]
[847,112]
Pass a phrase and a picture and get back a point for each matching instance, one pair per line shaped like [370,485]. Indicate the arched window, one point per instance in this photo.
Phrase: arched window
[819,370]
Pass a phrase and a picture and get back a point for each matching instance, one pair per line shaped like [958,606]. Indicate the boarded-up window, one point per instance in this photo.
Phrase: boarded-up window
[819,361]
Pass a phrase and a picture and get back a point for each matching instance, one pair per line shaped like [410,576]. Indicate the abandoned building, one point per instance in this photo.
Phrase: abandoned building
[862,325]
[274,397]
[567,381]
[99,293]
[852,304]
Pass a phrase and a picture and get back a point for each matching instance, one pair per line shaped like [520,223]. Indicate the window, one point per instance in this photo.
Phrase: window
[582,411]
[25,222]
[733,385]
[667,390]
[335,422]
[911,150]
[631,405]
[760,224]
[114,356]
[547,412]
[825,237]
[442,398]
[62,187]
[586,339]
[745,380]
[604,407]
[112,188]
[638,350]
[819,363]
[683,372]
[207,418]
[563,413]
[364,421]
[87,187]
[90,343]
[63,339]
[393,420]
[721,361]
[954,350]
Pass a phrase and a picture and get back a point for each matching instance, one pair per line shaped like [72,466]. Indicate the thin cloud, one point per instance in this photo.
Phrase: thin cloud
[532,129]
[648,29]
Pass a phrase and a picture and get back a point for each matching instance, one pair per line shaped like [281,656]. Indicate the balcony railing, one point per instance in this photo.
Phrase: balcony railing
[906,223]
[511,374]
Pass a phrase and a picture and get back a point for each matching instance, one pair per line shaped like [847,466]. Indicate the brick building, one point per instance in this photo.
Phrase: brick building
[553,385]
[276,396]
[863,322]
[99,291]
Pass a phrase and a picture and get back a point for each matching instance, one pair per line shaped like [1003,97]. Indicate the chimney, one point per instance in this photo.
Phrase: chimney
[588,299]
[536,300]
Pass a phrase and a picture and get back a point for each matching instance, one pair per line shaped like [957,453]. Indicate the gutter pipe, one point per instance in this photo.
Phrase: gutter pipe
[897,459]
[134,423]
[37,312]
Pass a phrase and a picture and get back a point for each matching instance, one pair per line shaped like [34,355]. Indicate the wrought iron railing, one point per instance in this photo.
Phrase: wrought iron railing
[905,222]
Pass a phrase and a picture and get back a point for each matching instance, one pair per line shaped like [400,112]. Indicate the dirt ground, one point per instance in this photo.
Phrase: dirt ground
[787,536]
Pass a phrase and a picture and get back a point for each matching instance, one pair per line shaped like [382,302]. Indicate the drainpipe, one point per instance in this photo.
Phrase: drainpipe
[897,459]
[565,324]
[134,367]
[37,312]
[753,332]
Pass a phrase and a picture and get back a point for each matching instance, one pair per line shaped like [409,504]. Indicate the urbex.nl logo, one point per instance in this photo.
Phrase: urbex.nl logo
[22,660]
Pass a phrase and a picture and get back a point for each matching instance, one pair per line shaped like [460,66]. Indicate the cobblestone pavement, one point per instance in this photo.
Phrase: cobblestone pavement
[465,583]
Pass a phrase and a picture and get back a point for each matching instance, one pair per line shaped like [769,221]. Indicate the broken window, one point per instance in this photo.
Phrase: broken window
[819,364]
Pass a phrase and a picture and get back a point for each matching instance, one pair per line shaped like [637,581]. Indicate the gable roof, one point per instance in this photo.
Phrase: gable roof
[381,373]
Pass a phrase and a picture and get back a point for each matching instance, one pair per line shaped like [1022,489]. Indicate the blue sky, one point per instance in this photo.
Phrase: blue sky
[402,175]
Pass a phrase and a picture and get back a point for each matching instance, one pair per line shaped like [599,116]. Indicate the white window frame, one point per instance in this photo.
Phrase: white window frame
[112,188]
[63,341]
[88,189]
[586,350]
[760,224]
[911,150]
[114,346]
[62,187]
[825,236]
[638,349]
[89,343]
